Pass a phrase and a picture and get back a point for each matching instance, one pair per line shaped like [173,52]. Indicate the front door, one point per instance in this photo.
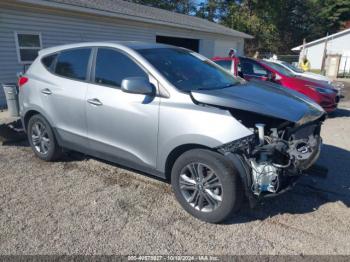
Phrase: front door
[122,127]
[251,70]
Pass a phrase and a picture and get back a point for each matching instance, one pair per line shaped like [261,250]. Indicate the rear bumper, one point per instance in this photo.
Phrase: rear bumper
[23,124]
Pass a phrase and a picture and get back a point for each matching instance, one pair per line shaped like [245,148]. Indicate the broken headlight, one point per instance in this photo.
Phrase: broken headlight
[239,145]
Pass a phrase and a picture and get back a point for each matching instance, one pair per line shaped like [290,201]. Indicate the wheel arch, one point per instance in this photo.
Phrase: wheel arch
[176,153]
[28,114]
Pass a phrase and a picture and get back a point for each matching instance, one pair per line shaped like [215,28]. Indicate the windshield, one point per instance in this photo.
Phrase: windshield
[279,68]
[187,70]
[291,67]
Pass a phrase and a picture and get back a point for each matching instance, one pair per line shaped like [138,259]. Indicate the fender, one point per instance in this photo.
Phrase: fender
[244,173]
[185,122]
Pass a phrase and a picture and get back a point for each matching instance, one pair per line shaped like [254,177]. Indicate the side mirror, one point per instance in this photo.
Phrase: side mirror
[137,85]
[271,76]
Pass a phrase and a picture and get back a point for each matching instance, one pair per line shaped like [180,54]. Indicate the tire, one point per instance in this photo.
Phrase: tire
[226,186]
[43,143]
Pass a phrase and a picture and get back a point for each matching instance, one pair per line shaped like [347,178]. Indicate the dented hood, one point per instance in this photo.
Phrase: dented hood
[263,98]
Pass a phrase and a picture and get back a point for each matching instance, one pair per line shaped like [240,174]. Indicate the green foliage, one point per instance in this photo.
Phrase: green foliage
[333,13]
[242,17]
[277,25]
[209,10]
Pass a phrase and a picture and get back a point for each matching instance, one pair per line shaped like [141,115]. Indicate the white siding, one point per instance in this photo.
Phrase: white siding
[339,45]
[61,27]
[222,46]
[314,54]
[207,47]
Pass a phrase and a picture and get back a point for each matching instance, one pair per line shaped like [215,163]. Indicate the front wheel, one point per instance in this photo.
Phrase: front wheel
[206,185]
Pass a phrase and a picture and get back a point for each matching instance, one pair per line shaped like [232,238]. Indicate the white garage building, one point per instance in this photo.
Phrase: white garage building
[337,44]
[27,26]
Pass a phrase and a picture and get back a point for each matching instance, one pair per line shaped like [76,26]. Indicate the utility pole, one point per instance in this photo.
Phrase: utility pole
[323,71]
[302,52]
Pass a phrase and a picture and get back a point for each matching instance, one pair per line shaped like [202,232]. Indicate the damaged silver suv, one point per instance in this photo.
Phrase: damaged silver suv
[172,113]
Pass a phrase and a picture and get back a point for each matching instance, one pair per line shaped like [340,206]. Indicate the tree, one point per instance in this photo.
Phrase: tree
[294,20]
[209,10]
[333,14]
[245,16]
[277,25]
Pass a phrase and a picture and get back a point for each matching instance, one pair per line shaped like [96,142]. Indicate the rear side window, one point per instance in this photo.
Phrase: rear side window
[113,66]
[73,63]
[49,62]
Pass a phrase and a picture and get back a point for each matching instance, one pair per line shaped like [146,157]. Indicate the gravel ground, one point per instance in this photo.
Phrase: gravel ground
[83,206]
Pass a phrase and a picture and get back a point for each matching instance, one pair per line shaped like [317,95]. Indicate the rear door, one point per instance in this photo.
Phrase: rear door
[122,127]
[63,95]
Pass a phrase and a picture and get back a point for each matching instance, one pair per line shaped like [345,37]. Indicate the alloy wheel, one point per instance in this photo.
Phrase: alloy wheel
[40,138]
[201,187]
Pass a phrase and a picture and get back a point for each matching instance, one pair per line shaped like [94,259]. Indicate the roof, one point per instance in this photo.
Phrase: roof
[136,45]
[320,40]
[142,45]
[132,11]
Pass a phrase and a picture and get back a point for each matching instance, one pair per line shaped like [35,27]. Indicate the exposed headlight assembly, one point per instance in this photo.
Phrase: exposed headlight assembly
[241,144]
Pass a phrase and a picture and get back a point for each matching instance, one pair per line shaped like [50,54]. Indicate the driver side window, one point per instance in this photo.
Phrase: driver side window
[251,68]
[113,66]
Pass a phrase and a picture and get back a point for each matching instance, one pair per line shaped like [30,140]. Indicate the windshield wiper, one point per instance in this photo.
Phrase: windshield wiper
[226,86]
[229,85]
[219,87]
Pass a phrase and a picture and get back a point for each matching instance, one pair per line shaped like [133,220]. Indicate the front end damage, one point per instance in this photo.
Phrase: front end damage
[275,156]
[286,134]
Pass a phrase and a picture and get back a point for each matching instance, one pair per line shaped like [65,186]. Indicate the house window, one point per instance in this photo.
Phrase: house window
[28,46]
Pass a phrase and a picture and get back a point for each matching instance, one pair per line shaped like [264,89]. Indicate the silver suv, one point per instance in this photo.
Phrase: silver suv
[172,113]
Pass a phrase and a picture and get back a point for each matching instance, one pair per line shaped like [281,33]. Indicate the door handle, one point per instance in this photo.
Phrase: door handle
[95,102]
[46,91]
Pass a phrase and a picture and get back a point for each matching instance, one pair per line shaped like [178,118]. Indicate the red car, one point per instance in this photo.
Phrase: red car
[247,68]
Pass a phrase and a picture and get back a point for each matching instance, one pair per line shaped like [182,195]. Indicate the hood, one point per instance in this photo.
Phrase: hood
[314,82]
[318,77]
[264,98]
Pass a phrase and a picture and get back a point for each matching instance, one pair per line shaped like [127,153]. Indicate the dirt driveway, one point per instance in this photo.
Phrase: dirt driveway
[83,206]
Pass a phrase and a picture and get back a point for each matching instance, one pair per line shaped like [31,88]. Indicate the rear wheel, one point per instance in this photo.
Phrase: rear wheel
[206,185]
[42,139]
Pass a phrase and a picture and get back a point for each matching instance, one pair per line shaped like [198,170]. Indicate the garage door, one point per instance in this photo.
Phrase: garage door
[188,43]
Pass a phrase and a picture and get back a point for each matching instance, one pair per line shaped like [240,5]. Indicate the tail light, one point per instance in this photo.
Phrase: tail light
[22,80]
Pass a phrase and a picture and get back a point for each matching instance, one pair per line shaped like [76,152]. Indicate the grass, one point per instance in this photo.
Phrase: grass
[316,71]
